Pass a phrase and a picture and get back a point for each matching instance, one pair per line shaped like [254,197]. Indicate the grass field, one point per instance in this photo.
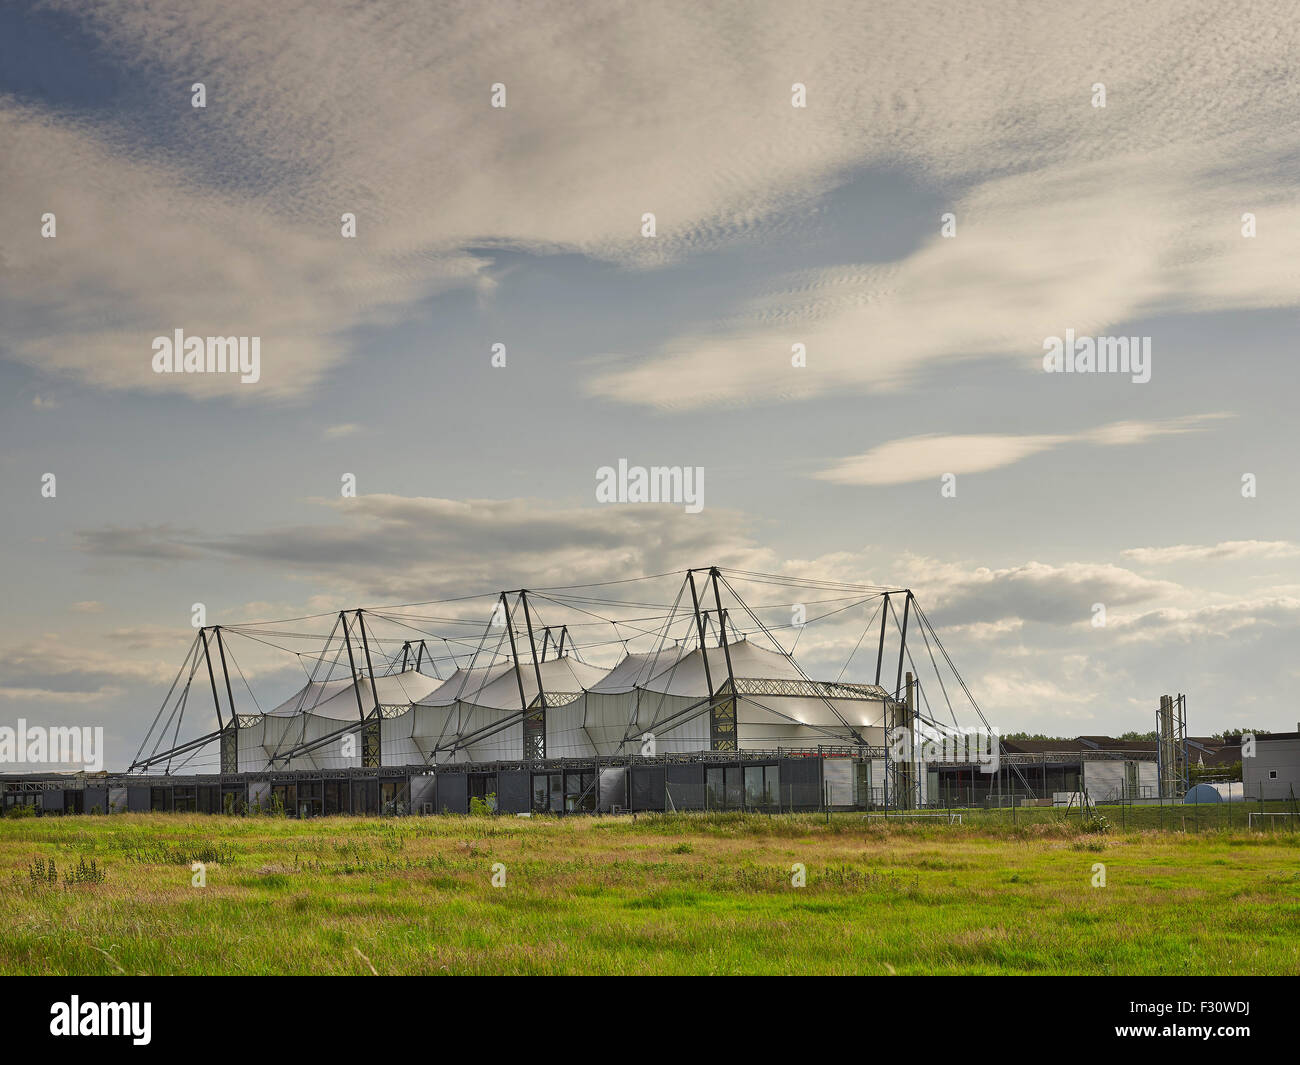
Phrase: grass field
[690,893]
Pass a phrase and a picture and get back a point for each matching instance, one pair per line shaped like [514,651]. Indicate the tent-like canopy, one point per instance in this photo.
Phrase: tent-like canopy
[700,671]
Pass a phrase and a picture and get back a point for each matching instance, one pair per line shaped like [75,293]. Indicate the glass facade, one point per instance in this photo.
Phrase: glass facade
[573,792]
[733,787]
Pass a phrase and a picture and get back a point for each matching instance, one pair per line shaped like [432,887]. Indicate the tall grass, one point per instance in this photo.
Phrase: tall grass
[685,893]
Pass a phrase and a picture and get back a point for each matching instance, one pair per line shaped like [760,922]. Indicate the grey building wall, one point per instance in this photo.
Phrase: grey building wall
[453,793]
[514,795]
[1275,767]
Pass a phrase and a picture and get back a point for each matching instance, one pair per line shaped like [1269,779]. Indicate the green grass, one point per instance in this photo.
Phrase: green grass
[690,893]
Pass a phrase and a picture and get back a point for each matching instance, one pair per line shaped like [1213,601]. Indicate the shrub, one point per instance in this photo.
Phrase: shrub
[483,807]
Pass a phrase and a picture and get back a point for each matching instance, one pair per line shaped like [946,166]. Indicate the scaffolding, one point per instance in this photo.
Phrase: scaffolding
[1171,747]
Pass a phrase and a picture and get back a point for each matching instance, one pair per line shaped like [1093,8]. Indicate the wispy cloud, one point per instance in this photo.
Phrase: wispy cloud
[920,458]
[672,110]
[1226,551]
[153,542]
[381,547]
[49,668]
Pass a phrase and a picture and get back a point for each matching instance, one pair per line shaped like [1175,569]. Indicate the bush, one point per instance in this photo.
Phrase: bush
[20,811]
[1096,824]
[273,807]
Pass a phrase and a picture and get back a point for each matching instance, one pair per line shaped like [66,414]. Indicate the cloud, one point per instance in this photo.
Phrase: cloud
[334,432]
[1209,621]
[1061,594]
[89,606]
[225,221]
[154,542]
[1227,550]
[147,637]
[1020,270]
[52,669]
[1020,634]
[387,547]
[920,458]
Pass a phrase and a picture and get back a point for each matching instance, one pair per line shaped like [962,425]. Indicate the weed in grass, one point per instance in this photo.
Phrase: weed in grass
[41,873]
[85,872]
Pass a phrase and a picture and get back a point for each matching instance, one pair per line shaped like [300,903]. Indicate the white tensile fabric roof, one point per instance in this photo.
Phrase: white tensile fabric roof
[643,690]
[338,698]
[749,661]
[310,695]
[634,670]
[497,687]
[463,684]
[667,671]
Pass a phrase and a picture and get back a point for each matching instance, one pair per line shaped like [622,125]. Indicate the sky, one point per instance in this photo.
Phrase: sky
[949,197]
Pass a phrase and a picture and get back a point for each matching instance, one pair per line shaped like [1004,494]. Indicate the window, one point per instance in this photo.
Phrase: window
[715,797]
[580,792]
[1272,774]
[736,787]
[762,786]
[548,792]
[394,796]
[734,777]
[365,796]
[772,785]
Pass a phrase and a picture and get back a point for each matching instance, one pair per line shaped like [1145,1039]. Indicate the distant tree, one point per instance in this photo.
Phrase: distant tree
[1197,773]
